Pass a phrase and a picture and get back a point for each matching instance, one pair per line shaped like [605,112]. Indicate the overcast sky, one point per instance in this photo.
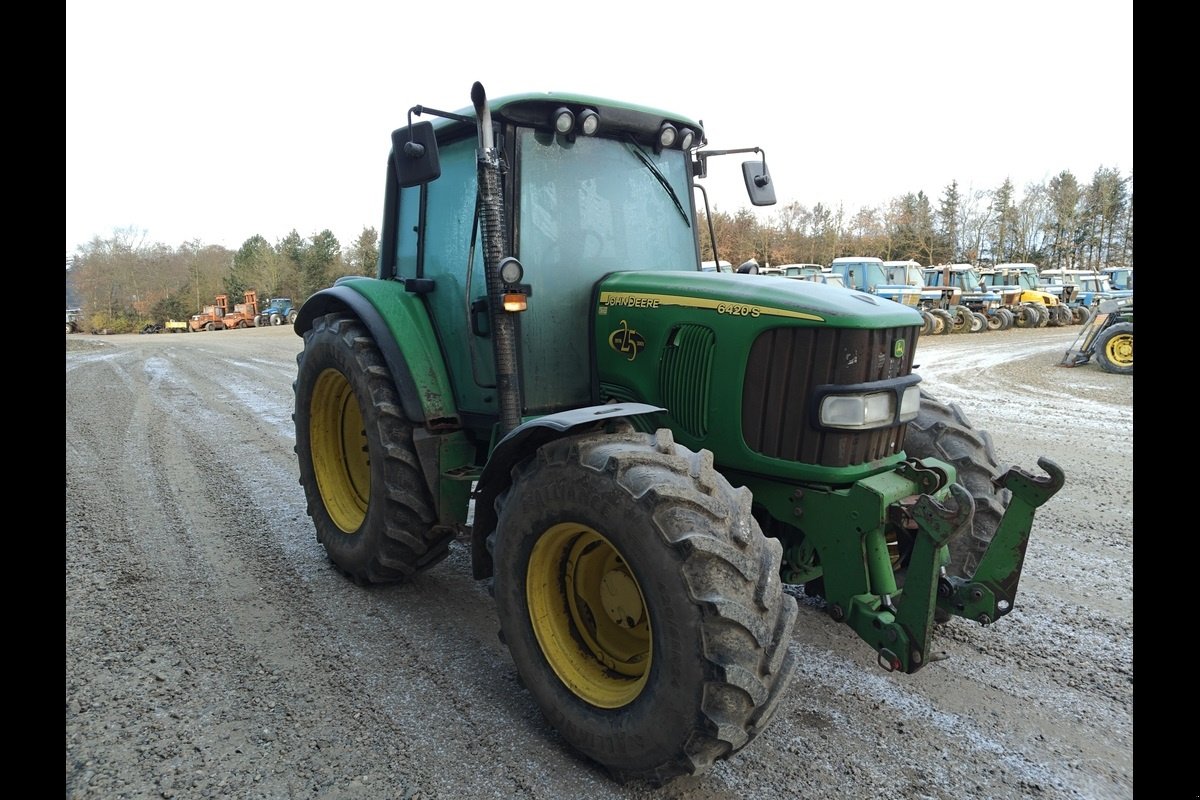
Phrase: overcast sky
[220,120]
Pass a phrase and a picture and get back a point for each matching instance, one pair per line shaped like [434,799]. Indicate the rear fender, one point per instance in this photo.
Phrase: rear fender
[393,315]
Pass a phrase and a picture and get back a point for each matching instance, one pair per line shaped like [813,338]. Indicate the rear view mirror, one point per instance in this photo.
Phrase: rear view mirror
[415,154]
[758,183]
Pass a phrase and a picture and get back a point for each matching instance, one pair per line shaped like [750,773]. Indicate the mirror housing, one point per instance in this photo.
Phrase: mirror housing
[758,183]
[415,154]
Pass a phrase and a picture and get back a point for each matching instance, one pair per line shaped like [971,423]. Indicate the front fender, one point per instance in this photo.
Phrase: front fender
[520,443]
[393,315]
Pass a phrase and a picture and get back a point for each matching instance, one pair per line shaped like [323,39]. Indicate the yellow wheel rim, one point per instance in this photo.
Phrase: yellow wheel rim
[589,615]
[338,444]
[1119,349]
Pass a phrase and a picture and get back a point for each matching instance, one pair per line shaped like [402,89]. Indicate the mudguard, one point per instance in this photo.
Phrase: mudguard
[394,315]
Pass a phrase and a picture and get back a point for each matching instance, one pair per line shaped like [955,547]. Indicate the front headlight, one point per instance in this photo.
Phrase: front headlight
[872,410]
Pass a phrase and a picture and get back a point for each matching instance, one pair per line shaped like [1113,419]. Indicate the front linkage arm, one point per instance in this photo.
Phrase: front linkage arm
[990,593]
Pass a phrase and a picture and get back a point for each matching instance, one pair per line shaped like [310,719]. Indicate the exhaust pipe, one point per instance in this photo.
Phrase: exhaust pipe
[491,212]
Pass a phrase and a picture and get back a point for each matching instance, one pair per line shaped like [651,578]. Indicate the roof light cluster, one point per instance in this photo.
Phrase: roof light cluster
[568,123]
[586,121]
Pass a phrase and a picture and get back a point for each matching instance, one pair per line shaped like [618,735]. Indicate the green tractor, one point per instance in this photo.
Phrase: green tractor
[658,456]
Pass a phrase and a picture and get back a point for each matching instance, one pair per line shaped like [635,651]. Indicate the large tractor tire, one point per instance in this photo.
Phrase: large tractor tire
[1007,318]
[1114,349]
[366,494]
[947,321]
[927,323]
[1043,314]
[979,322]
[942,431]
[961,319]
[995,321]
[291,316]
[276,319]
[641,603]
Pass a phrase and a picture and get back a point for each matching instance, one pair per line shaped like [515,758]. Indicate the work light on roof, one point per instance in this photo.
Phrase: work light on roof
[687,137]
[589,121]
[667,135]
[564,121]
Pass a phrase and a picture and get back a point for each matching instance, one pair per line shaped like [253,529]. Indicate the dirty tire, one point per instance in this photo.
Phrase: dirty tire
[947,321]
[1007,318]
[641,603]
[995,321]
[961,319]
[942,431]
[1114,349]
[276,319]
[979,322]
[1043,314]
[927,324]
[291,317]
[365,492]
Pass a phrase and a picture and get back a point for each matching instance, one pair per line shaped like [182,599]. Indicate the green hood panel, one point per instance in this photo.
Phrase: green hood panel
[753,296]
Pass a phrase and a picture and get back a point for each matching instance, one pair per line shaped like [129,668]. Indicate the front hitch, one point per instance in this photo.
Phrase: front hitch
[990,593]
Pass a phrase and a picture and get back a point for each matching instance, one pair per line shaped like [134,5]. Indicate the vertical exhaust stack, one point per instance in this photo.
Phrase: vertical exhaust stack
[491,211]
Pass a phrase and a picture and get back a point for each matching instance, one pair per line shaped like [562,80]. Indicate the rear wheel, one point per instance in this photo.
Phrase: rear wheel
[291,317]
[978,322]
[947,321]
[210,326]
[641,603]
[1114,349]
[366,494]
[995,322]
[926,323]
[942,431]
[961,319]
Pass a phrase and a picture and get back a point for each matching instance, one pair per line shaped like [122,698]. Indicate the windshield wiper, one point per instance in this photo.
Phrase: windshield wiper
[632,145]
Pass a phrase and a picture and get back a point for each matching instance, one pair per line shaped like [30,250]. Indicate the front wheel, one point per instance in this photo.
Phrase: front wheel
[1114,349]
[641,603]
[367,497]
[942,431]
[291,317]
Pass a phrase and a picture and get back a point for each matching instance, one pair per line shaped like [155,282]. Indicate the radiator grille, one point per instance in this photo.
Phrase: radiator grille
[786,364]
[683,381]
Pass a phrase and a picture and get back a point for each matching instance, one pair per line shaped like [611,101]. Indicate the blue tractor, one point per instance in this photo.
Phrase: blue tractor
[278,310]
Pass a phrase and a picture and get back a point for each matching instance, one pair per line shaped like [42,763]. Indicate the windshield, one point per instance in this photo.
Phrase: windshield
[595,205]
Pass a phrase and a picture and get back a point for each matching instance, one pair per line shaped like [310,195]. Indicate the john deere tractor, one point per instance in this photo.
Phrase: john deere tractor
[654,451]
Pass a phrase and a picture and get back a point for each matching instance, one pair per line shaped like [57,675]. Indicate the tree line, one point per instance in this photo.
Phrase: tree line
[124,282]
[1059,224]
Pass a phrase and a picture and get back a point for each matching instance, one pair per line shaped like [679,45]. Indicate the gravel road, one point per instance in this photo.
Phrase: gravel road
[212,651]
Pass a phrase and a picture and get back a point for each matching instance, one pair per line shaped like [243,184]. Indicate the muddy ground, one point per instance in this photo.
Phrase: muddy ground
[211,650]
